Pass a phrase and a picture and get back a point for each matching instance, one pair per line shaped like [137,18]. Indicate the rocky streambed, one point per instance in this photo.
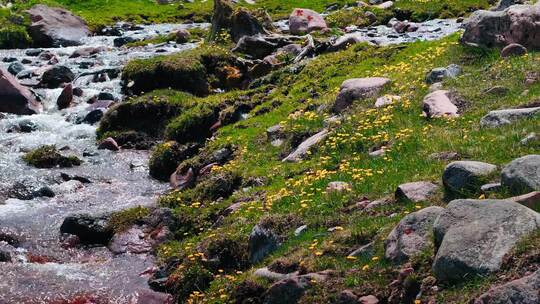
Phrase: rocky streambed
[41,265]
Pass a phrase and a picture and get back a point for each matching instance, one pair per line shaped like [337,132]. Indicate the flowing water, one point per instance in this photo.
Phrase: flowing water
[42,269]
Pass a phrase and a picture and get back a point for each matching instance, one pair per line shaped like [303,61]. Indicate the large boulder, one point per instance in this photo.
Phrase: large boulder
[14,98]
[411,235]
[521,291]
[465,177]
[522,175]
[243,23]
[358,89]
[473,236]
[516,24]
[304,21]
[302,150]
[500,118]
[55,27]
[56,76]
[92,230]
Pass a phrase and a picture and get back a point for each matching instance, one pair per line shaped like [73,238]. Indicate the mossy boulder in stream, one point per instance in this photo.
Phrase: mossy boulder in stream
[50,157]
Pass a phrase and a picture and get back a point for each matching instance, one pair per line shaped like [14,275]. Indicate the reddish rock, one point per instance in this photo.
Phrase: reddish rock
[368,300]
[531,200]
[15,98]
[55,27]
[358,89]
[182,181]
[65,98]
[109,144]
[304,21]
[438,104]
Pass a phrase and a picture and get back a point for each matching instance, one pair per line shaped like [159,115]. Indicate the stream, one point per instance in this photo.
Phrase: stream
[42,268]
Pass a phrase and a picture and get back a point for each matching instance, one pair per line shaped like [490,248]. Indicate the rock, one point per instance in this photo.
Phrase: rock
[287,291]
[298,231]
[493,187]
[358,89]
[15,68]
[121,41]
[386,100]
[56,76]
[266,273]
[65,98]
[517,24]
[385,5]
[33,52]
[439,74]
[504,4]
[521,291]
[499,118]
[531,138]
[522,175]
[130,241]
[255,46]
[303,21]
[15,98]
[91,230]
[497,90]
[438,104]
[78,92]
[368,300]
[182,180]
[347,297]
[473,236]
[87,52]
[445,156]
[44,192]
[182,36]
[513,49]
[405,26]
[338,187]
[416,192]
[93,116]
[243,23]
[531,200]
[109,144]
[364,251]
[221,18]
[262,242]
[56,27]
[303,148]
[466,177]
[411,235]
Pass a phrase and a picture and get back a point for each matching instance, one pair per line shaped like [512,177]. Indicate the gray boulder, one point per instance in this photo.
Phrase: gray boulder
[473,236]
[504,4]
[500,118]
[358,89]
[411,235]
[516,24]
[439,74]
[262,242]
[416,192]
[466,177]
[521,291]
[55,27]
[522,175]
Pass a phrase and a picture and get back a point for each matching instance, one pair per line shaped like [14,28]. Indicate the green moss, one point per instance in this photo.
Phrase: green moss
[167,156]
[194,279]
[192,71]
[122,220]
[50,157]
[14,37]
[192,125]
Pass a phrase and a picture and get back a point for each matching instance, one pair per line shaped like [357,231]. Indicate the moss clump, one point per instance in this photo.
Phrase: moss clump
[166,157]
[196,71]
[227,253]
[122,220]
[49,157]
[194,278]
[193,125]
[14,37]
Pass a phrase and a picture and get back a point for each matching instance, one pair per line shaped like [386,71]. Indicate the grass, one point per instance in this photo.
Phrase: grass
[294,100]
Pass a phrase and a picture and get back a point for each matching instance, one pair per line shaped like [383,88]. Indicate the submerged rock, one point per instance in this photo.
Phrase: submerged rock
[91,230]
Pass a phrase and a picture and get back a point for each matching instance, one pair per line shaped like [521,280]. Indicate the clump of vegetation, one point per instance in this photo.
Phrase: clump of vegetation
[122,220]
[50,157]
[167,156]
[197,71]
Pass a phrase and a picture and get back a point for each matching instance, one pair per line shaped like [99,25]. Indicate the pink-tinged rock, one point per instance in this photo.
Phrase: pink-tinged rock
[368,300]
[55,27]
[130,241]
[531,200]
[385,5]
[438,104]
[15,98]
[304,21]
[109,144]
[65,98]
[151,297]
[513,49]
[358,89]
[181,180]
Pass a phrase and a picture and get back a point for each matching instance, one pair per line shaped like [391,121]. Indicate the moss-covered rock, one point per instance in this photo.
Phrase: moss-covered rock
[192,125]
[166,157]
[50,157]
[197,71]
[193,278]
[14,37]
